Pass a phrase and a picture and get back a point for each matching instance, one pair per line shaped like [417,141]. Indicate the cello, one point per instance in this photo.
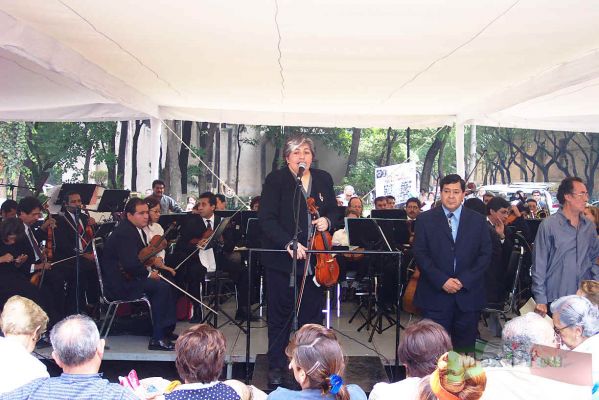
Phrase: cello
[326,271]
[407,303]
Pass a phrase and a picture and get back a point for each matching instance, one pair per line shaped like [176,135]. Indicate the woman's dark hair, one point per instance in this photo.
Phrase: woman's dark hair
[477,205]
[254,201]
[152,202]
[11,226]
[420,347]
[200,354]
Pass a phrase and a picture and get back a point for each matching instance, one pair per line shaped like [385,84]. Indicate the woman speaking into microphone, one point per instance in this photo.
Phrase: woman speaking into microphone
[280,196]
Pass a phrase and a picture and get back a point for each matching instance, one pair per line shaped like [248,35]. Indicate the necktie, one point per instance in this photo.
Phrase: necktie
[144,237]
[36,248]
[208,225]
[449,217]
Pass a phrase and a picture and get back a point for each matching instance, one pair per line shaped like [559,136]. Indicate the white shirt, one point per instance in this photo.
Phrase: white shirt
[591,345]
[22,367]
[405,389]
[207,256]
[152,230]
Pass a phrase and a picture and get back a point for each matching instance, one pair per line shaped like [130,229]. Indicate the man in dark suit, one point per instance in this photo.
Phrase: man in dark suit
[65,234]
[29,213]
[125,278]
[453,250]
[276,216]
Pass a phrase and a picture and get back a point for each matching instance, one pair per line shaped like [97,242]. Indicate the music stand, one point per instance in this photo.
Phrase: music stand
[113,200]
[394,213]
[218,232]
[396,230]
[85,190]
[253,233]
[366,233]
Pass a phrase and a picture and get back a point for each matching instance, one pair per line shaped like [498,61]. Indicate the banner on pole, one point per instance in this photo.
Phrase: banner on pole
[399,181]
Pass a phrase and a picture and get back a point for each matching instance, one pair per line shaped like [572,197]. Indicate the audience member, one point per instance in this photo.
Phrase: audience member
[590,290]
[191,201]
[221,202]
[413,208]
[255,203]
[380,203]
[576,323]
[8,209]
[510,376]
[166,203]
[348,193]
[456,377]
[317,362]
[536,195]
[200,357]
[487,197]
[78,350]
[22,323]
[592,213]
[420,347]
[390,202]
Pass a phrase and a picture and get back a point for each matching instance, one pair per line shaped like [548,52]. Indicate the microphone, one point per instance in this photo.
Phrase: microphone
[301,168]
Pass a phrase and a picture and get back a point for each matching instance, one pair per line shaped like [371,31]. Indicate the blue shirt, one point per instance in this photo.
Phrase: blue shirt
[355,393]
[73,387]
[455,220]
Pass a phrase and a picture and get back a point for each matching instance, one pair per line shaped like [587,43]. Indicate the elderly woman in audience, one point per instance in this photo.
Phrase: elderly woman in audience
[200,357]
[576,323]
[510,375]
[22,322]
[420,347]
[457,377]
[316,360]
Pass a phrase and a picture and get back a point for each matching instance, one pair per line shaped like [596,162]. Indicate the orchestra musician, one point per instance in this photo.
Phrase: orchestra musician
[65,234]
[126,278]
[276,218]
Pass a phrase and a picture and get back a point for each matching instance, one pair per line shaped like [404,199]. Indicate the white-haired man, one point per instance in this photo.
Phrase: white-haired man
[78,350]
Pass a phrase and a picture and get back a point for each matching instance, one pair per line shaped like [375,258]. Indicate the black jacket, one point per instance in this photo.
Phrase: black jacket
[276,214]
[64,235]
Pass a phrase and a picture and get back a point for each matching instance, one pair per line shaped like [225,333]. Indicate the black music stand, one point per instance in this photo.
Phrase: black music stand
[392,213]
[366,233]
[113,200]
[166,220]
[85,190]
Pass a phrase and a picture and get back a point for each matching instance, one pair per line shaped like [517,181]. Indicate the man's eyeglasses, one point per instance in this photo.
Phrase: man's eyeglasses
[581,194]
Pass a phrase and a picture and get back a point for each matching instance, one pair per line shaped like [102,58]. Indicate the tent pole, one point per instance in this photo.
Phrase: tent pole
[459,150]
[156,132]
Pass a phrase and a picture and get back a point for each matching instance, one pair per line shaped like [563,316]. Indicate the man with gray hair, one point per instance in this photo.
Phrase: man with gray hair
[78,350]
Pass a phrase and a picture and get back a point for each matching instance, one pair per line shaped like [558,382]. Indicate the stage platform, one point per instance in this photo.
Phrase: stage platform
[131,350]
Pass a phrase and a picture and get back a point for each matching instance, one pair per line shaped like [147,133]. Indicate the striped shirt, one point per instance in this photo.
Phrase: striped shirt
[67,386]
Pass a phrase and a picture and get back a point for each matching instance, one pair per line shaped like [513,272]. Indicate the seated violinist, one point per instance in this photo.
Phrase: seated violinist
[153,230]
[126,278]
[196,231]
[69,235]
[36,266]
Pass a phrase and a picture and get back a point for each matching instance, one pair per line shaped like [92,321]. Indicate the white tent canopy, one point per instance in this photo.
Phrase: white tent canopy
[346,63]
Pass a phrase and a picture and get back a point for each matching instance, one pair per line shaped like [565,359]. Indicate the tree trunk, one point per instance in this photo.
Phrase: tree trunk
[240,129]
[120,172]
[138,125]
[352,160]
[184,154]
[172,177]
[87,162]
[275,159]
[215,134]
[429,159]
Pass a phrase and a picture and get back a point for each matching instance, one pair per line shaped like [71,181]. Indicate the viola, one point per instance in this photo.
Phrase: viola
[327,268]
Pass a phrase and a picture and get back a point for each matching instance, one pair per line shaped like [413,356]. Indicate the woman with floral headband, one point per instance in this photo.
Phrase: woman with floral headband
[457,377]
[316,360]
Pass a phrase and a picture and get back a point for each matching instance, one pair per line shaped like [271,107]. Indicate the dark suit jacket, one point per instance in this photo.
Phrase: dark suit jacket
[120,254]
[495,276]
[23,246]
[276,214]
[64,235]
[435,251]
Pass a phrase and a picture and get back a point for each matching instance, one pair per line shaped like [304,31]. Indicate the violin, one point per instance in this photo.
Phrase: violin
[327,268]
[147,255]
[47,251]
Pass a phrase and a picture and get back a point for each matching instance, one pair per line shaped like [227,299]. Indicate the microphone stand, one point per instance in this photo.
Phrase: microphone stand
[294,244]
[78,250]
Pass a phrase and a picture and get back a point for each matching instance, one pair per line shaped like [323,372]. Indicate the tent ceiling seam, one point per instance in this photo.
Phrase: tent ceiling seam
[445,56]
[139,61]
[280,56]
[204,164]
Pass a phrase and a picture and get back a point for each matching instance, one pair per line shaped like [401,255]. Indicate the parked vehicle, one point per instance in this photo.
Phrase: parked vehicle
[547,190]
